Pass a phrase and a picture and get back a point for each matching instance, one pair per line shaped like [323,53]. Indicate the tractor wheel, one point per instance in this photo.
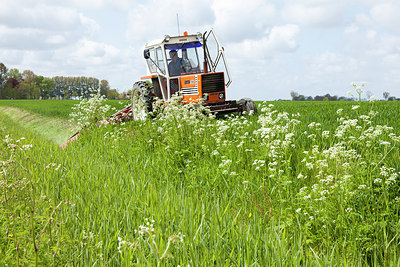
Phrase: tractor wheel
[248,106]
[142,101]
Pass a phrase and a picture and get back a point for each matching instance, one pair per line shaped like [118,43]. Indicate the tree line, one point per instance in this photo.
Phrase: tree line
[327,97]
[28,85]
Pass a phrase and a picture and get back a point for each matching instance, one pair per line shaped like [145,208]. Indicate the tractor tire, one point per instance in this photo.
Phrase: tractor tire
[248,106]
[142,101]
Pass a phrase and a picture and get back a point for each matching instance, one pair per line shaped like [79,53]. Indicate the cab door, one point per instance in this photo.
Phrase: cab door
[214,52]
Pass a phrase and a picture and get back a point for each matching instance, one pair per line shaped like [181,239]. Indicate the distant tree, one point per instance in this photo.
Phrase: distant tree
[23,90]
[392,98]
[325,99]
[15,74]
[112,94]
[104,87]
[293,94]
[309,98]
[29,80]
[39,80]
[35,93]
[68,86]
[343,98]
[46,86]
[301,98]
[386,95]
[330,98]
[3,74]
[28,76]
[10,89]
[3,78]
[63,86]
[94,85]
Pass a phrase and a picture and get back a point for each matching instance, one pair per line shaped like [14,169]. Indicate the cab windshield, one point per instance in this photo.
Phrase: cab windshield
[184,58]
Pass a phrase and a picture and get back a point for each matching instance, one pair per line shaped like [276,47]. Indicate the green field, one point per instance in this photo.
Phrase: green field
[298,184]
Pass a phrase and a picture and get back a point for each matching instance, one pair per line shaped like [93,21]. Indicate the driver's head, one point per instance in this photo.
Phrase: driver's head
[172,54]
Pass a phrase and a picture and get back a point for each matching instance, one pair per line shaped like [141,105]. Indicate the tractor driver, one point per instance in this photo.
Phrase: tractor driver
[177,65]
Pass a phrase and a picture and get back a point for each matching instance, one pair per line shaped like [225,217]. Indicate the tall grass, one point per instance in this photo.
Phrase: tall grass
[319,188]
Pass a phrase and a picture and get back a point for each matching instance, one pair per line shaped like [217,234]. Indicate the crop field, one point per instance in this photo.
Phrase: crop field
[298,184]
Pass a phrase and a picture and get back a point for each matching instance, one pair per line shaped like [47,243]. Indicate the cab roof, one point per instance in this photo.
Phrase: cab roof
[175,40]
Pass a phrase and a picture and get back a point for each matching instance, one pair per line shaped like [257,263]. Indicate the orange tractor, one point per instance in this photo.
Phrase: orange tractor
[191,66]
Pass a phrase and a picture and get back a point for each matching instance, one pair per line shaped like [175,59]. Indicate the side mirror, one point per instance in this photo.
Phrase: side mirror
[146,54]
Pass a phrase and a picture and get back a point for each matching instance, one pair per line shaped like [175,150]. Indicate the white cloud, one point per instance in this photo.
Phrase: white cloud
[237,20]
[42,27]
[155,19]
[115,5]
[364,21]
[39,16]
[283,38]
[331,64]
[387,15]
[55,40]
[371,43]
[92,53]
[314,13]
[280,39]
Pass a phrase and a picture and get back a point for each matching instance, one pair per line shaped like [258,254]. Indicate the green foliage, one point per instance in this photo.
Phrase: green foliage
[299,184]
[46,86]
[31,230]
[104,87]
[3,77]
[112,94]
[27,85]
[89,112]
[15,74]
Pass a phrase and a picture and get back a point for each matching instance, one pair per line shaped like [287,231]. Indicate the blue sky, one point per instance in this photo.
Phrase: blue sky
[313,47]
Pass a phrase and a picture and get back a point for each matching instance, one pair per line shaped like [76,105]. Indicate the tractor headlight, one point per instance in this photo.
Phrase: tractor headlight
[205,97]
[221,95]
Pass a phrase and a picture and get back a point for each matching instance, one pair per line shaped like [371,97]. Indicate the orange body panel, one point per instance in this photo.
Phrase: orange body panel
[213,98]
[188,81]
[148,77]
[191,88]
[193,84]
[190,84]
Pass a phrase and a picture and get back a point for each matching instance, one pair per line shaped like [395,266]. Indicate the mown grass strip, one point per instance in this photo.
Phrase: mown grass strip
[54,129]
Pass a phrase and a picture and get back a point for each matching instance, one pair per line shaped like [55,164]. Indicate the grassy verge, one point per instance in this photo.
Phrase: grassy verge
[272,189]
